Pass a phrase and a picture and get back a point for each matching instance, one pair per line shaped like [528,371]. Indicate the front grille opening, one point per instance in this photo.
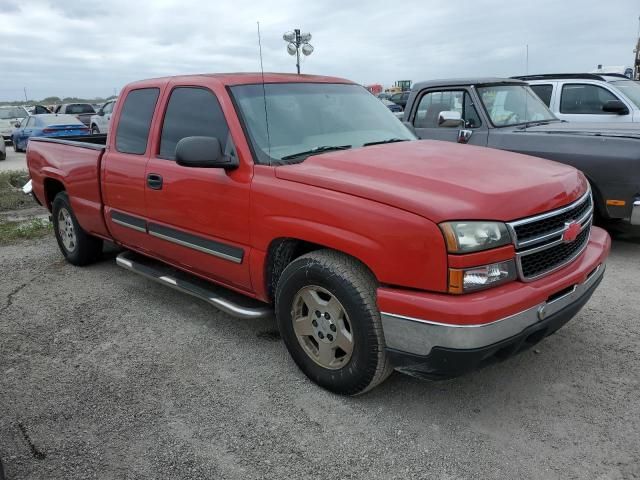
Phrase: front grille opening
[545,260]
[530,231]
[559,294]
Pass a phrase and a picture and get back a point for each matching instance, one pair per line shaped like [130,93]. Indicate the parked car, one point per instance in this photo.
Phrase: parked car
[384,96]
[372,249]
[400,98]
[506,114]
[588,97]
[100,121]
[3,151]
[394,107]
[8,117]
[83,111]
[48,125]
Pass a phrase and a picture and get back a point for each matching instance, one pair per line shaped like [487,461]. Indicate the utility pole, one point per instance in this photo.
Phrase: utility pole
[25,95]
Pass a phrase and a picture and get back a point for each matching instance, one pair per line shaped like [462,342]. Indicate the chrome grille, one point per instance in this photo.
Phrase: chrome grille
[539,240]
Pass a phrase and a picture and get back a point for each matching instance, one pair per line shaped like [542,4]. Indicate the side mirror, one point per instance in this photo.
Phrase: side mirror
[17,124]
[204,152]
[615,106]
[450,119]
[100,113]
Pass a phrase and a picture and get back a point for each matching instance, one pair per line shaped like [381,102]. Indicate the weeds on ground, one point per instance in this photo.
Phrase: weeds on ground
[11,199]
[10,232]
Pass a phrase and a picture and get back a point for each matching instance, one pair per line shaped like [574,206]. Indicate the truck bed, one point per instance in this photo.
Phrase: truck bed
[73,164]
[95,142]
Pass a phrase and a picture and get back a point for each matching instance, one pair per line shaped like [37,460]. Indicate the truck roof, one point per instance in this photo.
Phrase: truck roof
[448,82]
[244,78]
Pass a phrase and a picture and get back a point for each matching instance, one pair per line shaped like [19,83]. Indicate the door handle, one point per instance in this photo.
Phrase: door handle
[154,181]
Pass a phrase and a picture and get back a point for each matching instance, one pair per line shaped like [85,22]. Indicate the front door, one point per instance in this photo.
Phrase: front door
[426,118]
[585,102]
[198,218]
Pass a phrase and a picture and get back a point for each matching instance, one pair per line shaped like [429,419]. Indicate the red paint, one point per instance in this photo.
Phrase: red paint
[380,204]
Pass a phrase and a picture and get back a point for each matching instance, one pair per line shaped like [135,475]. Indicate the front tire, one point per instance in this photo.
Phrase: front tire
[94,130]
[329,319]
[77,246]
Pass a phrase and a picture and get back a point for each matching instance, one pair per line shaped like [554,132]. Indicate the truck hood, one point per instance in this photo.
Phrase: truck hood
[443,181]
[612,129]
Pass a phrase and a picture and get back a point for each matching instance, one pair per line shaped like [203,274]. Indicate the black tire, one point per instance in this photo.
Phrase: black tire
[353,285]
[15,147]
[3,156]
[85,248]
[94,129]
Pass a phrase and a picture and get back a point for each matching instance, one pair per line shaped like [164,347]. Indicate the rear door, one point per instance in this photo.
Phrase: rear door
[426,117]
[198,217]
[124,165]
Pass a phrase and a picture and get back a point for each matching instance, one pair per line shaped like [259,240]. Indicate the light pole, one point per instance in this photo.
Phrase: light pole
[297,41]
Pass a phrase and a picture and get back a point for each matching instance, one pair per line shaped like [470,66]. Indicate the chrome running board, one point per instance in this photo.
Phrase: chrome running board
[230,302]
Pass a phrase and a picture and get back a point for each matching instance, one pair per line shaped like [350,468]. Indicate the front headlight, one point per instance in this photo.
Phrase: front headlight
[466,237]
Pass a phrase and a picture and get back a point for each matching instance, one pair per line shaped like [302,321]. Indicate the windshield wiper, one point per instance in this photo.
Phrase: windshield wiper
[388,140]
[536,123]
[316,150]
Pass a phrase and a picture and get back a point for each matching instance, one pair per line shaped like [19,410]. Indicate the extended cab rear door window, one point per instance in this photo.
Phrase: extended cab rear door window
[135,120]
[191,112]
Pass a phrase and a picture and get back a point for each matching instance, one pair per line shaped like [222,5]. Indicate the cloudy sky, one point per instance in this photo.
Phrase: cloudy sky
[91,48]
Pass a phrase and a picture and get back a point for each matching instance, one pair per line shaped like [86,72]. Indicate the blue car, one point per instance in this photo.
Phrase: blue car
[46,125]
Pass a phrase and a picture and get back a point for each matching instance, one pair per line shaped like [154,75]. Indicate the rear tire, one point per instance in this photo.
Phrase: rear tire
[77,246]
[327,313]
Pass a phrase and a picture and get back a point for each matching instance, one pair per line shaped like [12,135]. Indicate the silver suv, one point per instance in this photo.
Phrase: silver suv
[588,97]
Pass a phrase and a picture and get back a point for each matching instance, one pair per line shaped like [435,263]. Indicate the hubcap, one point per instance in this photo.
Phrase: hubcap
[322,327]
[66,231]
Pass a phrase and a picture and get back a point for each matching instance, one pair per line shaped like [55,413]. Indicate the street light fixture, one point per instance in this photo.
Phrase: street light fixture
[296,41]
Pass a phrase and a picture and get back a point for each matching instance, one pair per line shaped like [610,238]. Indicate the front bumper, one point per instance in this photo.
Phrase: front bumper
[445,349]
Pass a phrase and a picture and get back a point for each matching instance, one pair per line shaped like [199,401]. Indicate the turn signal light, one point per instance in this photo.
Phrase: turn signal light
[478,278]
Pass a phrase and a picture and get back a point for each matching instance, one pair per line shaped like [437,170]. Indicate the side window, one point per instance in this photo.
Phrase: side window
[584,98]
[432,103]
[544,92]
[191,112]
[135,120]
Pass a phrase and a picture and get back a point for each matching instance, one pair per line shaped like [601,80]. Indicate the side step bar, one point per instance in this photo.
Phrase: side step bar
[229,302]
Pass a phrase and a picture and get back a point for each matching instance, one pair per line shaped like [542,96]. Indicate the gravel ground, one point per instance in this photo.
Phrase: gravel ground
[107,375]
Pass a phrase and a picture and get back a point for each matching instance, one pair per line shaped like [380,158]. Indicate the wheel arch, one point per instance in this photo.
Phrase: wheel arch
[52,187]
[284,250]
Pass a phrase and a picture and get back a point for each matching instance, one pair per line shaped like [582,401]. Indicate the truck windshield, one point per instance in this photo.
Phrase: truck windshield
[310,118]
[631,89]
[509,105]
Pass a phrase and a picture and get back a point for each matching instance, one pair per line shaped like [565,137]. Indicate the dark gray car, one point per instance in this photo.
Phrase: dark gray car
[506,114]
[82,111]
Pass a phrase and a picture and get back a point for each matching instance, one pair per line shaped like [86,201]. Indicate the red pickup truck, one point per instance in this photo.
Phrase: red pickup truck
[305,196]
